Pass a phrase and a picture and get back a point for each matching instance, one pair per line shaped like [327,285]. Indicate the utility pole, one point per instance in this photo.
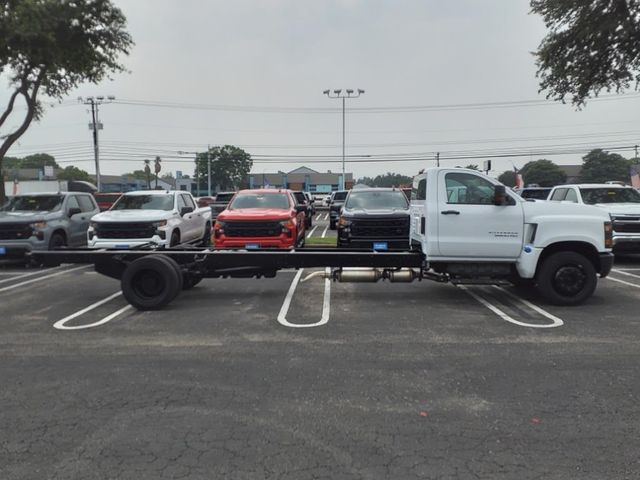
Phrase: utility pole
[636,150]
[209,169]
[95,125]
[338,94]
[437,159]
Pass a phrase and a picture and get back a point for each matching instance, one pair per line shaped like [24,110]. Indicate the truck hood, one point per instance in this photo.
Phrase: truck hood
[560,209]
[255,214]
[133,216]
[623,208]
[366,212]
[24,217]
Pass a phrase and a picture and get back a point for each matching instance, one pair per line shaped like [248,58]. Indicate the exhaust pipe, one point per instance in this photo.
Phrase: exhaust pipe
[367,275]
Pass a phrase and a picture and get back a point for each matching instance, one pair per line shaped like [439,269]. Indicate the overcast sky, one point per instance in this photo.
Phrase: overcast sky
[284,53]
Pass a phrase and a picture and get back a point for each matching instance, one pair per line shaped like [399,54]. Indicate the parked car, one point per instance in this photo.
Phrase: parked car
[302,199]
[220,203]
[106,200]
[44,221]
[622,203]
[534,193]
[261,219]
[151,216]
[337,201]
[376,218]
[205,201]
[312,202]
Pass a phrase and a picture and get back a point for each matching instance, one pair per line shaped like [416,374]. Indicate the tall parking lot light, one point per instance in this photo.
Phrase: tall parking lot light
[349,93]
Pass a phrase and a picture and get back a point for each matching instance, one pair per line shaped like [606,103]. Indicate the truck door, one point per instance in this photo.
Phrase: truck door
[470,225]
[418,210]
[78,221]
[191,221]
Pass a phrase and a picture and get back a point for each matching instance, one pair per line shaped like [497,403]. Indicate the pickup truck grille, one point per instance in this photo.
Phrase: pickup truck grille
[252,229]
[383,228]
[125,230]
[626,224]
[15,231]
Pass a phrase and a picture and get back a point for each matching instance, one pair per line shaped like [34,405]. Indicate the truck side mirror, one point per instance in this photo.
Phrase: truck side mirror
[185,210]
[500,195]
[73,211]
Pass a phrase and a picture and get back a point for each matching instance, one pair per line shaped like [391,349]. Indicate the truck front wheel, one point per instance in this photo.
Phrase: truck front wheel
[566,278]
[151,282]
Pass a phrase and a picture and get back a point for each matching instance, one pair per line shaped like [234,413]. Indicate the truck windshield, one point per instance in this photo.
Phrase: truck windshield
[591,196]
[377,200]
[144,202]
[260,200]
[224,197]
[34,203]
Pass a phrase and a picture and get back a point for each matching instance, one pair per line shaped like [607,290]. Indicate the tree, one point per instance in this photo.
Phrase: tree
[168,176]
[600,166]
[592,45]
[508,178]
[229,166]
[39,160]
[137,174]
[473,167]
[74,173]
[543,172]
[50,47]
[387,180]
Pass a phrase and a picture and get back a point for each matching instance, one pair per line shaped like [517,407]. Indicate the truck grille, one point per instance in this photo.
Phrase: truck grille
[626,224]
[379,227]
[125,230]
[252,229]
[15,231]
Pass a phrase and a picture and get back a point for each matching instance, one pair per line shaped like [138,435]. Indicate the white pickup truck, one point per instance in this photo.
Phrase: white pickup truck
[620,202]
[471,228]
[159,217]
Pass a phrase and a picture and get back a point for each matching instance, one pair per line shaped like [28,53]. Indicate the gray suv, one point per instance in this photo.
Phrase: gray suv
[44,221]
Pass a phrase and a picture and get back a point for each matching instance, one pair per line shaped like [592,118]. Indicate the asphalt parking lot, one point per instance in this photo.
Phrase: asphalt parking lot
[279,378]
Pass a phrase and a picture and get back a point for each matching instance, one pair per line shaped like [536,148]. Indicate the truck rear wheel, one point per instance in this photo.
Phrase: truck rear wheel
[151,282]
[566,278]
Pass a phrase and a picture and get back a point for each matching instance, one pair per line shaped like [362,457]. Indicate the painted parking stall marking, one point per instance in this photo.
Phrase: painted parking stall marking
[326,304]
[511,307]
[61,324]
[45,277]
[312,230]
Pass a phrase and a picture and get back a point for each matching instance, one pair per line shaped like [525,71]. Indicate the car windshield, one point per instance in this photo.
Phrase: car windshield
[224,197]
[537,194]
[340,196]
[591,196]
[34,203]
[377,200]
[144,202]
[260,200]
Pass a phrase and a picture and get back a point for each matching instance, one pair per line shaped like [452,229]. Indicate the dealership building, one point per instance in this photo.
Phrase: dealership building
[302,178]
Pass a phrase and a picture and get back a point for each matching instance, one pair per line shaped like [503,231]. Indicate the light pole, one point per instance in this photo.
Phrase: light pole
[95,125]
[349,93]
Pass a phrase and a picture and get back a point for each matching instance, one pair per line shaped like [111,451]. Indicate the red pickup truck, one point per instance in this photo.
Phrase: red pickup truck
[261,219]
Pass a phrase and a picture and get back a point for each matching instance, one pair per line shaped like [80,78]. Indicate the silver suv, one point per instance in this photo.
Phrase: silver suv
[43,221]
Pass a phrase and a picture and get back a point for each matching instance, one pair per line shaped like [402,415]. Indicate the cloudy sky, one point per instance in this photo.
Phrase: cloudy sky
[251,73]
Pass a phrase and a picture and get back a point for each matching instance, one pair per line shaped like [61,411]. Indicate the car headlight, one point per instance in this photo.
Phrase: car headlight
[343,222]
[93,225]
[161,223]
[39,225]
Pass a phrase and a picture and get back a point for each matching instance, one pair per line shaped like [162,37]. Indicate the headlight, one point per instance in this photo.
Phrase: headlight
[93,225]
[161,223]
[39,225]
[343,222]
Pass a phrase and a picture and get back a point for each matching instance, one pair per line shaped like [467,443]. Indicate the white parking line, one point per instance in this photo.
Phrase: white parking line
[324,234]
[60,324]
[25,275]
[623,282]
[33,280]
[556,321]
[326,304]
[625,273]
[312,230]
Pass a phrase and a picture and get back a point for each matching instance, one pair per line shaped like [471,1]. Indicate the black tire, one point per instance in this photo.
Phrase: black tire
[151,282]
[566,278]
[302,241]
[206,238]
[178,270]
[332,225]
[175,239]
[309,222]
[57,240]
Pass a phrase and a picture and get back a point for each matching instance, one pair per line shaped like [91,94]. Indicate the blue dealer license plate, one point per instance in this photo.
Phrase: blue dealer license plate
[3,250]
[380,246]
[252,246]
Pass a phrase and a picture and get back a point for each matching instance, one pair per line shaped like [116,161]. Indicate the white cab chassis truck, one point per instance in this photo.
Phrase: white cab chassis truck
[466,228]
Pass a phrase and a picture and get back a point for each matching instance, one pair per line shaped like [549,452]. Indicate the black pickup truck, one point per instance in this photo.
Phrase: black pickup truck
[376,218]
[335,205]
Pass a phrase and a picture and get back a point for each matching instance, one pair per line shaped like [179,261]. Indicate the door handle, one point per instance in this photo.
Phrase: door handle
[450,212]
